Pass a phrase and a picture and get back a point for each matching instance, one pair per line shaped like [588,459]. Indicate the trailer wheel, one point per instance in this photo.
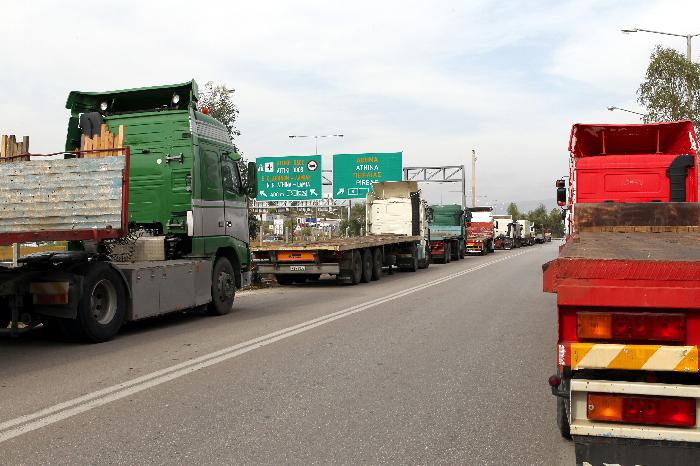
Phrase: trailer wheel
[448,253]
[102,305]
[356,275]
[563,418]
[5,317]
[284,279]
[223,288]
[462,252]
[454,252]
[366,266]
[377,261]
[413,266]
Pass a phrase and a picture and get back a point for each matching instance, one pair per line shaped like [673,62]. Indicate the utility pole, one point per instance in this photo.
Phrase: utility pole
[473,178]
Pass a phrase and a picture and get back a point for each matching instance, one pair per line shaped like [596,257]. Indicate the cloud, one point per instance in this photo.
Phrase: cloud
[434,79]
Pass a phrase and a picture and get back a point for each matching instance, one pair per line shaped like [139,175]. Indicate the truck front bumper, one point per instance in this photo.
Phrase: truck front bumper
[299,269]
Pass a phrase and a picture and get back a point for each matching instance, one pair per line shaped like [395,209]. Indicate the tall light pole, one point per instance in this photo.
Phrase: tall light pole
[316,137]
[613,108]
[688,51]
[688,38]
[473,178]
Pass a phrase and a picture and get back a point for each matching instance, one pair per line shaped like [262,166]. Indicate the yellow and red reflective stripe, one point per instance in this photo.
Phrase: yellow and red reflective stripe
[633,357]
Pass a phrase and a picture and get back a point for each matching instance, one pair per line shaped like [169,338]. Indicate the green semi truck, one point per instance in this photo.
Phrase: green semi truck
[156,219]
[447,233]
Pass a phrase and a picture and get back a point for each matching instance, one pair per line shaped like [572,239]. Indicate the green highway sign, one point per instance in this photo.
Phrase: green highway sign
[294,178]
[353,174]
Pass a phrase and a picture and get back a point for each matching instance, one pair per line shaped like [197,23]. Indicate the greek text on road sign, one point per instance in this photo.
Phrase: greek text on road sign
[353,174]
[289,178]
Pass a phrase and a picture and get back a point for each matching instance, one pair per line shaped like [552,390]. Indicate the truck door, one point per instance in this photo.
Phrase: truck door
[235,202]
[209,210]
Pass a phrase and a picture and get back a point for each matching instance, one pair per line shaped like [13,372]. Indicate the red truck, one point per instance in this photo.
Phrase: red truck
[627,281]
[480,230]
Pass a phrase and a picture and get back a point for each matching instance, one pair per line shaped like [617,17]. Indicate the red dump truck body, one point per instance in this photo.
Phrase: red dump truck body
[628,296]
[480,231]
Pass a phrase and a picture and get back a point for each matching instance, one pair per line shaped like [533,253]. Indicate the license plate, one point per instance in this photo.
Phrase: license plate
[297,268]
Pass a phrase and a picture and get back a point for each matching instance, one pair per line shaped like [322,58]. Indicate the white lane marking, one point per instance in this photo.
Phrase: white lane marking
[61,411]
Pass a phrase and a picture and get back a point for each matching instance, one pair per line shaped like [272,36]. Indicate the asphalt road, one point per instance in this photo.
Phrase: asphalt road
[442,366]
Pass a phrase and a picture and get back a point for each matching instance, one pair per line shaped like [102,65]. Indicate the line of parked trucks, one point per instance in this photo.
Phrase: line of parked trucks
[150,197]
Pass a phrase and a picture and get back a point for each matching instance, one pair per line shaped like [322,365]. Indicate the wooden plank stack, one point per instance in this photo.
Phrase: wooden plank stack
[103,141]
[11,150]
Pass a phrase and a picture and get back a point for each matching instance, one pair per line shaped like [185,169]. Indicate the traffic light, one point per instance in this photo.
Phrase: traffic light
[561,192]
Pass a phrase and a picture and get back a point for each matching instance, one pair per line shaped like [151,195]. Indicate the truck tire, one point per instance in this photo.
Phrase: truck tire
[356,272]
[5,317]
[462,252]
[223,288]
[284,279]
[454,251]
[492,249]
[377,261]
[413,266]
[563,418]
[367,265]
[448,253]
[102,305]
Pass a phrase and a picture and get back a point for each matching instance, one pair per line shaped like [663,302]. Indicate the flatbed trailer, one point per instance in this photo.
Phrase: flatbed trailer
[351,260]
[627,281]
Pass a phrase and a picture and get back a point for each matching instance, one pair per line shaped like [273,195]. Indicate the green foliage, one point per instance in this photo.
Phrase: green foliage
[218,99]
[357,220]
[671,88]
[513,211]
[539,217]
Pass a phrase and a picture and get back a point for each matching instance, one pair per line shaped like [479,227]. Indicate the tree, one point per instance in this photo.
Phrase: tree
[555,223]
[538,216]
[671,88]
[513,211]
[218,99]
[357,220]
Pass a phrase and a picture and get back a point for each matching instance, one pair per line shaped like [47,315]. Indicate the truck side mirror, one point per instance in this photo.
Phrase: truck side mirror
[252,181]
[561,193]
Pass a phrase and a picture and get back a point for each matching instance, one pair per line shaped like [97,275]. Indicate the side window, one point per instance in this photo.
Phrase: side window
[232,178]
[211,175]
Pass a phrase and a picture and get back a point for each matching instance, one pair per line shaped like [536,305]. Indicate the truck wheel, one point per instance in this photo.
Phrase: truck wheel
[492,249]
[366,266]
[5,317]
[356,276]
[377,262]
[102,305]
[563,418]
[454,252]
[462,253]
[223,288]
[284,280]
[448,253]
[413,266]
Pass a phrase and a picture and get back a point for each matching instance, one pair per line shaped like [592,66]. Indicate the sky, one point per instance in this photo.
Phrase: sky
[434,79]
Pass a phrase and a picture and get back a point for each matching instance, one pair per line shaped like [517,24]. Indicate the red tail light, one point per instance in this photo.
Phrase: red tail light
[630,326]
[641,409]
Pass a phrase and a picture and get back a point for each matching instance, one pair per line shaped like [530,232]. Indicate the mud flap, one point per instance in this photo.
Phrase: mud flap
[599,451]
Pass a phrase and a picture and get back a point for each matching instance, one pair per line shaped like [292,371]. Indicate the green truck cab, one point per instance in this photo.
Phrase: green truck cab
[447,232]
[187,208]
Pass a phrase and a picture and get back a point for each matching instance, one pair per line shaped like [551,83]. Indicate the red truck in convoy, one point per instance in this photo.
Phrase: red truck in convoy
[480,230]
[627,281]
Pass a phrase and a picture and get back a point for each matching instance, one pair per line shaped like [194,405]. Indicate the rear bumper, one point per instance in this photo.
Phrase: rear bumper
[600,450]
[299,269]
[581,426]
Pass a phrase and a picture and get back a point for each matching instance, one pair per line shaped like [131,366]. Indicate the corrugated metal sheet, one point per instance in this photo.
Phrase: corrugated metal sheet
[72,194]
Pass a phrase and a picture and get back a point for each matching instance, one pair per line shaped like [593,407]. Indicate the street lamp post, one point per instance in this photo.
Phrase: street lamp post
[316,137]
[613,108]
[688,38]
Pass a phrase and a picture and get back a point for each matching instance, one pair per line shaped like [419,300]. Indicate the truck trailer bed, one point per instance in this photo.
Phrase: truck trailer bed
[638,246]
[336,244]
